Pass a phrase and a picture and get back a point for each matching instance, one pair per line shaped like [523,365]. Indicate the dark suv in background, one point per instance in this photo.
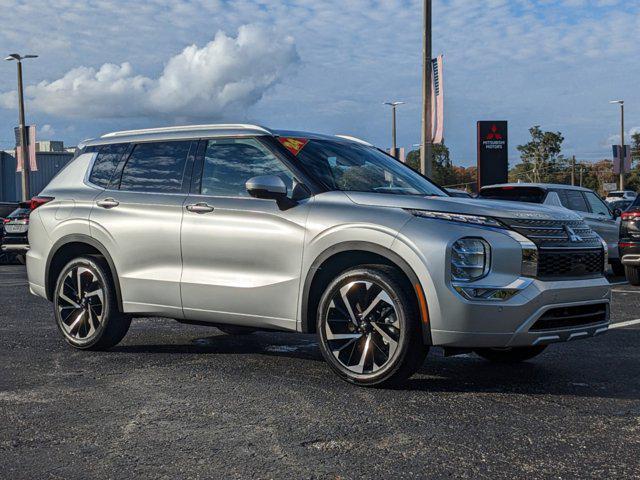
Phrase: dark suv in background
[14,242]
[630,242]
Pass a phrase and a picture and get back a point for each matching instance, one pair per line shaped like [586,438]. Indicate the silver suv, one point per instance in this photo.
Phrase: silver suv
[245,228]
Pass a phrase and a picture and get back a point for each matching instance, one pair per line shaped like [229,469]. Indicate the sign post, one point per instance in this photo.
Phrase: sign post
[493,153]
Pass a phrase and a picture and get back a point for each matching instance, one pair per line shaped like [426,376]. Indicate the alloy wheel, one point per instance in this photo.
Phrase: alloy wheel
[362,327]
[80,303]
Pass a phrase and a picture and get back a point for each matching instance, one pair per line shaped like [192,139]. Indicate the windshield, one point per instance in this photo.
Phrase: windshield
[516,194]
[352,167]
[616,195]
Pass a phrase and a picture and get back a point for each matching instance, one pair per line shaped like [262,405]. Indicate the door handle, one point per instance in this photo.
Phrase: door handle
[108,203]
[200,208]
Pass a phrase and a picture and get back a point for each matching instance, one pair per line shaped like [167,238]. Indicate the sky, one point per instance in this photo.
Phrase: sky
[326,66]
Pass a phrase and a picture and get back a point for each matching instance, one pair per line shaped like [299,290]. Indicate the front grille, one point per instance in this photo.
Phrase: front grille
[570,263]
[555,233]
[571,317]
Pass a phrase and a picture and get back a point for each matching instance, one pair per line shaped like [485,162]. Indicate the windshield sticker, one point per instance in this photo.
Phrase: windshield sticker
[294,145]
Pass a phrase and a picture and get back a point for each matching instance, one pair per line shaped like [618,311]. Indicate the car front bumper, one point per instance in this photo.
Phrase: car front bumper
[512,323]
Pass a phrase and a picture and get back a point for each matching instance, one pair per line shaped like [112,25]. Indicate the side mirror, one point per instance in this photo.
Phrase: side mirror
[269,187]
[617,213]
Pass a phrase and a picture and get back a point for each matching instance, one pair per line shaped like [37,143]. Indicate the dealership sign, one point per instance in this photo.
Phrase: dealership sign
[493,153]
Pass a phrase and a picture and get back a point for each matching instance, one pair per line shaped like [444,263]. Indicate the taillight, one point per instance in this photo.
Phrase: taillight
[38,202]
[6,220]
[627,244]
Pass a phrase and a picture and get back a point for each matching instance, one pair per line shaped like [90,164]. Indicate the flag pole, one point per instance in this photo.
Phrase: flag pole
[426,147]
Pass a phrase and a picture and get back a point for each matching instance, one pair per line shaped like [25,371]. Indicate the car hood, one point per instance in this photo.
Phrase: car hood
[467,206]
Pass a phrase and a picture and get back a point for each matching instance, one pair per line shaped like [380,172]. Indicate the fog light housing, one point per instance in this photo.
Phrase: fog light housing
[470,259]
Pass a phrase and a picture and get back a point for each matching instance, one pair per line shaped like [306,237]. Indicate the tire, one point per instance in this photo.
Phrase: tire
[91,320]
[510,355]
[385,347]
[617,268]
[235,330]
[633,275]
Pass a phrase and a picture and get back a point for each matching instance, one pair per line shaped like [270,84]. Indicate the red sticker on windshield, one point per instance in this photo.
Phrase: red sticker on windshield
[294,145]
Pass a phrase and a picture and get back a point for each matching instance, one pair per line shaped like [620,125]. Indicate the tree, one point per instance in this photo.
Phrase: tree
[542,160]
[442,167]
[633,181]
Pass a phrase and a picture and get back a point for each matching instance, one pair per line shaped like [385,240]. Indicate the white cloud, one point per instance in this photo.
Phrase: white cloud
[46,132]
[225,77]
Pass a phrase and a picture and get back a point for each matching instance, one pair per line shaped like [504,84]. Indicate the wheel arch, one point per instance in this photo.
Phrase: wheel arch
[69,247]
[344,255]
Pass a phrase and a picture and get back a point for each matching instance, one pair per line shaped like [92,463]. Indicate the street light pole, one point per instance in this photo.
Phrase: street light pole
[394,143]
[22,126]
[622,152]
[426,147]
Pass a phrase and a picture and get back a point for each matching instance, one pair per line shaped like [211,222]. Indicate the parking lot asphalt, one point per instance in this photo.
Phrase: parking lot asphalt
[176,401]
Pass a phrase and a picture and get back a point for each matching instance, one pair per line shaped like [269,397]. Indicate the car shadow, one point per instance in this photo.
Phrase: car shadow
[555,372]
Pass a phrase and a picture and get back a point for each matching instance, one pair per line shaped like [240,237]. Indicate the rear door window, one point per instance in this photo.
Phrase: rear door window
[515,194]
[573,200]
[106,162]
[156,167]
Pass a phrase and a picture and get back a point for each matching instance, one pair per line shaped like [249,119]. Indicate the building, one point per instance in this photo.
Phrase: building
[49,162]
[50,146]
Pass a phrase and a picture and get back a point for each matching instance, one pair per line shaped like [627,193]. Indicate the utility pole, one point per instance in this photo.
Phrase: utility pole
[622,152]
[581,173]
[573,170]
[426,146]
[22,126]
[394,146]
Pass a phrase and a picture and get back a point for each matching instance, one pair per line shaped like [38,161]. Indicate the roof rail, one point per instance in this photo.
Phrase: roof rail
[355,139]
[183,128]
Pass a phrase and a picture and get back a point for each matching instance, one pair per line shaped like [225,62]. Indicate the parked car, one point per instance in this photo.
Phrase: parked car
[454,192]
[16,226]
[630,242]
[621,195]
[6,208]
[586,203]
[246,228]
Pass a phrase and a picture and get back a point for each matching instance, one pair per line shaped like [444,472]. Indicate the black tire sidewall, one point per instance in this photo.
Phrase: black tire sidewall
[99,270]
[404,312]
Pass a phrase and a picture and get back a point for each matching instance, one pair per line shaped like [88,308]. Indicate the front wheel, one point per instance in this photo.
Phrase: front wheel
[510,355]
[617,268]
[633,275]
[369,329]
[85,305]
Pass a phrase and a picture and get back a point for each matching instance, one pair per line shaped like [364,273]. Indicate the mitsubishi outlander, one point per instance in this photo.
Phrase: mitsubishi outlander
[246,228]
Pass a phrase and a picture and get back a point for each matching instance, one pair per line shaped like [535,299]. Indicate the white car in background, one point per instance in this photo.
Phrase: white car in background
[621,195]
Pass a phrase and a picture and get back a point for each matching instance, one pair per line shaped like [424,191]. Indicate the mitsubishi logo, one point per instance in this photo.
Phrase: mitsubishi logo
[493,134]
[573,236]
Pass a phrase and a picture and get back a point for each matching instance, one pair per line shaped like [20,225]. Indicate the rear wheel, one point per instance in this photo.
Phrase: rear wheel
[633,275]
[85,305]
[369,329]
[510,355]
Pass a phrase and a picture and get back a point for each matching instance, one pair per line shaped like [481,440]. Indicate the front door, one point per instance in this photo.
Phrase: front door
[241,255]
[601,220]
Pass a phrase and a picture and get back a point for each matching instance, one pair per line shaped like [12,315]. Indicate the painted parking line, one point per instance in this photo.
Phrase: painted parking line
[629,323]
[625,291]
[619,282]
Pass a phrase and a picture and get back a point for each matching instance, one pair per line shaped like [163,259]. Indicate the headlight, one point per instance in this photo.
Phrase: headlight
[470,259]
[457,217]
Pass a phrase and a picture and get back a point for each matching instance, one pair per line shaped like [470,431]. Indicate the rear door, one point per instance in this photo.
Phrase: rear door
[137,218]
[242,256]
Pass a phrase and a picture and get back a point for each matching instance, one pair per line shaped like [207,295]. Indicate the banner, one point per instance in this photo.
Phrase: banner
[493,153]
[31,149]
[621,163]
[437,100]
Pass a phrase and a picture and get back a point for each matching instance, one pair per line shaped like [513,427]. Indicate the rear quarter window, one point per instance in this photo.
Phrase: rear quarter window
[514,194]
[105,164]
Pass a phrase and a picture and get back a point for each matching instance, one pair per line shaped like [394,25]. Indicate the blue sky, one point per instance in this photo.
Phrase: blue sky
[325,65]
